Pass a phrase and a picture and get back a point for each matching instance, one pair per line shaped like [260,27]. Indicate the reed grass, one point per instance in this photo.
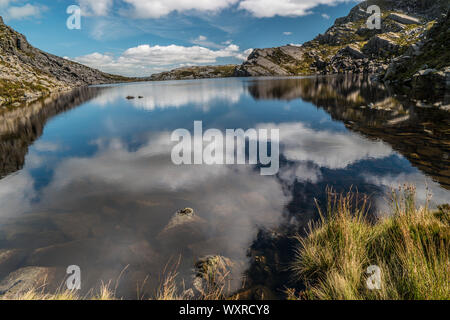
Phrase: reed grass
[410,246]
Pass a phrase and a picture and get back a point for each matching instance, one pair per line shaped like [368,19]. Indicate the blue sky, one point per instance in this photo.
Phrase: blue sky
[140,37]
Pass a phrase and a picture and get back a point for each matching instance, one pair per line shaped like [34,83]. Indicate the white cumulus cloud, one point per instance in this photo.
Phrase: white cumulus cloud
[95,7]
[286,8]
[159,8]
[145,59]
[20,12]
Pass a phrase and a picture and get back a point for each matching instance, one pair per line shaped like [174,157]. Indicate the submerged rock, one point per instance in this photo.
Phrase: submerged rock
[184,227]
[10,260]
[181,217]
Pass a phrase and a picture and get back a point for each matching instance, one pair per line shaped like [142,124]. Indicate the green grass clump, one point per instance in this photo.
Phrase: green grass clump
[410,246]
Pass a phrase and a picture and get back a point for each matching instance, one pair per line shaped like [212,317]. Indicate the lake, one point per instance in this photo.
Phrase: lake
[88,180]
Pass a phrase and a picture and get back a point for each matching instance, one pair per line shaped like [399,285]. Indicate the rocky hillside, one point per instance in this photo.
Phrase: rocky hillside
[27,73]
[349,46]
[195,72]
[426,65]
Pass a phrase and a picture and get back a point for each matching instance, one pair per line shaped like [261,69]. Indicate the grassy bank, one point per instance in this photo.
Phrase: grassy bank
[410,246]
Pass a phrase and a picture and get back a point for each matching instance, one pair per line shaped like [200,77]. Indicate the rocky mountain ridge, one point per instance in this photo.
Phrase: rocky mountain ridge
[195,72]
[410,50]
[27,73]
[349,46]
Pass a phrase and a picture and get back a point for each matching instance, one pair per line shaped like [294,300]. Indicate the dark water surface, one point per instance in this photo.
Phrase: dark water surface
[88,180]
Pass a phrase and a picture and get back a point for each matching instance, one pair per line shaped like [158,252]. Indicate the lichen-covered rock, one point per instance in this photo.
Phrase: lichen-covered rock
[403,18]
[352,51]
[382,45]
[271,61]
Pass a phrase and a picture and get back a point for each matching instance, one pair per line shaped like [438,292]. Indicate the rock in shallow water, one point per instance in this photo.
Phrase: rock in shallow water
[184,227]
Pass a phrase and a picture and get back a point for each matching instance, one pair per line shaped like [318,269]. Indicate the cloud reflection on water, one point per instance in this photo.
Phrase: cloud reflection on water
[107,208]
[175,94]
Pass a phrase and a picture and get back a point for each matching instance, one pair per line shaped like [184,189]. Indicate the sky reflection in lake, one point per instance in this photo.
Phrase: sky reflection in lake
[98,187]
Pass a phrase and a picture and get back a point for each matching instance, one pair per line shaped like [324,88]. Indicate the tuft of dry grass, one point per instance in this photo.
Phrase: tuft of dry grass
[410,246]
[105,293]
[214,285]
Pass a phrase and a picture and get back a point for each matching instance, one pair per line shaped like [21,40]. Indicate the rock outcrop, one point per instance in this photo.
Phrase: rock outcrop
[27,73]
[403,18]
[424,69]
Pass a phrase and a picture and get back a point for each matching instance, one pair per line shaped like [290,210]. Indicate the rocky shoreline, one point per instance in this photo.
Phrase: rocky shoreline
[410,52]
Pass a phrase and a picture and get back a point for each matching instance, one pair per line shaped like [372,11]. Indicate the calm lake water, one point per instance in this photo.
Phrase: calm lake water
[88,180]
